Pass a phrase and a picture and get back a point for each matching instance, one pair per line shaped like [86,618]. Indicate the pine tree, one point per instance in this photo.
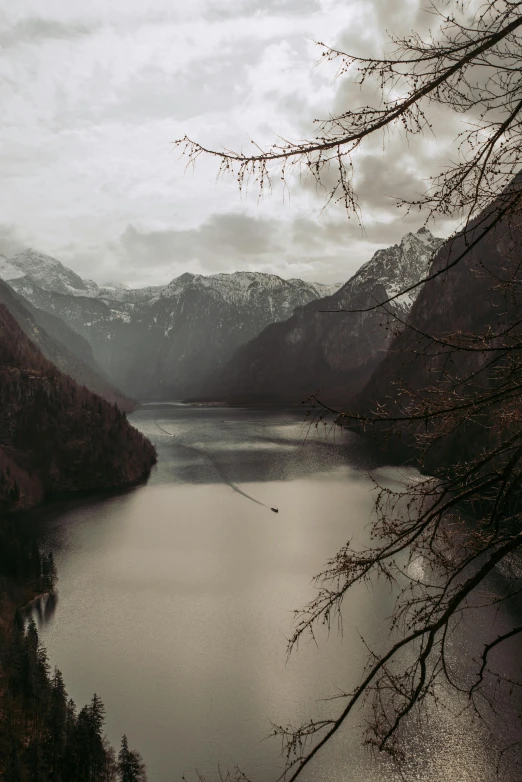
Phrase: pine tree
[56,726]
[69,764]
[130,764]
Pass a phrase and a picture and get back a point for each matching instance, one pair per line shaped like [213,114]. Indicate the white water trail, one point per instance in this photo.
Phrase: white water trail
[216,466]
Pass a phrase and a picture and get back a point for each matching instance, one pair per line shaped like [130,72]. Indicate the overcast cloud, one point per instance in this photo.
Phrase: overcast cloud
[95,91]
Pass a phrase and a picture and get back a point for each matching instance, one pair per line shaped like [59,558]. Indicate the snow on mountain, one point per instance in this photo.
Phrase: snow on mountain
[162,339]
[49,273]
[333,343]
[167,341]
[326,289]
[124,295]
[240,287]
[396,268]
[8,271]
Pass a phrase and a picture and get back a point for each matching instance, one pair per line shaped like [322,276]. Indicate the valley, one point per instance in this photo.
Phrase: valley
[217,337]
[260,391]
[175,599]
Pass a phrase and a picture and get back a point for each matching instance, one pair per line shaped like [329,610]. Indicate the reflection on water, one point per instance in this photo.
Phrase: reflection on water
[176,600]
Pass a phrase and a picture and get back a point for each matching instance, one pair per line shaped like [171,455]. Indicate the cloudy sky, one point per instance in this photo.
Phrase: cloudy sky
[94,92]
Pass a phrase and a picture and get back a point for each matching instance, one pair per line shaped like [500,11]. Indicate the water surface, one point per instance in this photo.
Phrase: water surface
[175,599]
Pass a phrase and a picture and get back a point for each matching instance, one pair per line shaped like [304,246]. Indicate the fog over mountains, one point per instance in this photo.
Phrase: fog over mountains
[240,336]
[56,435]
[326,346]
[64,347]
[161,341]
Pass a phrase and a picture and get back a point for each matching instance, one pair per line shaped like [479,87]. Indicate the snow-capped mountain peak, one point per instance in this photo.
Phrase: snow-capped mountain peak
[169,339]
[326,288]
[49,273]
[397,268]
[243,285]
[425,235]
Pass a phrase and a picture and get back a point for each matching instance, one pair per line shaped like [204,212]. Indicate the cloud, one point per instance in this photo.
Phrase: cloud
[226,238]
[322,250]
[12,240]
[263,7]
[35,29]
[94,93]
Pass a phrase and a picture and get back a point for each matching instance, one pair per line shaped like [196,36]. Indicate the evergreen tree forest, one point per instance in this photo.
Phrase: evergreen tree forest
[57,436]
[43,737]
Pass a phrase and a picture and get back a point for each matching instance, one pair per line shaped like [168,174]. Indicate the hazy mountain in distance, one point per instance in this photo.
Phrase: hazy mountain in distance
[333,353]
[163,341]
[55,435]
[61,345]
[53,276]
[47,272]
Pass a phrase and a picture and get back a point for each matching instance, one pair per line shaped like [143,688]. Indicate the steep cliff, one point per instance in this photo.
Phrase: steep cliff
[462,340]
[55,435]
[163,341]
[63,346]
[324,347]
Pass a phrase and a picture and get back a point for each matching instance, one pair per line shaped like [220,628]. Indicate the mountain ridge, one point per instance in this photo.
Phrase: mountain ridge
[239,337]
[415,369]
[164,341]
[52,275]
[324,345]
[63,346]
[55,435]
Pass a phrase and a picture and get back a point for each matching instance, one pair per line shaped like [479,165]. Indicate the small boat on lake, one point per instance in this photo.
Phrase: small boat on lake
[275,510]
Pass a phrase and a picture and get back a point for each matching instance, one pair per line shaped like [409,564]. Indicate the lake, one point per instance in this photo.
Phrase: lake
[175,600]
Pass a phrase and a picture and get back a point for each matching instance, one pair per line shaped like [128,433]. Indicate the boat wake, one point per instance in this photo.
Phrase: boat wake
[163,430]
[216,465]
[218,468]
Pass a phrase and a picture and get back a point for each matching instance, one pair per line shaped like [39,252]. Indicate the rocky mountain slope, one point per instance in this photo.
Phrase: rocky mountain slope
[56,436]
[333,353]
[481,295]
[59,343]
[51,275]
[44,270]
[162,342]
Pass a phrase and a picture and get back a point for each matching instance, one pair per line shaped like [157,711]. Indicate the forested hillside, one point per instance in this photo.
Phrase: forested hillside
[63,346]
[459,362]
[55,435]
[43,736]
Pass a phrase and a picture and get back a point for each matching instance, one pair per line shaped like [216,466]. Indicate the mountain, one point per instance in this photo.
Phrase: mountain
[163,342]
[48,272]
[480,295]
[56,436]
[330,352]
[51,275]
[63,346]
